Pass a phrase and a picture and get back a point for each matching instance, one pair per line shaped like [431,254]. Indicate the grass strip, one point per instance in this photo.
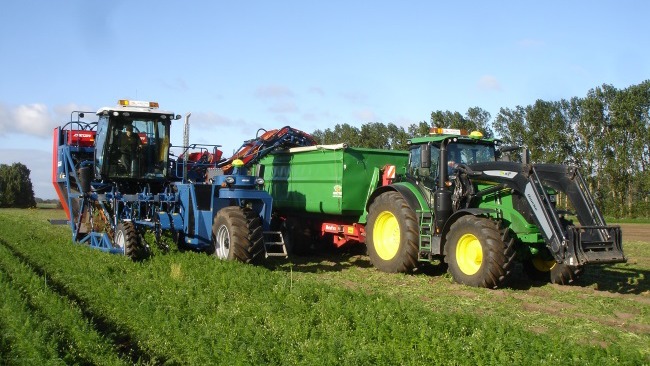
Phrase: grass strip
[22,340]
[191,309]
[61,320]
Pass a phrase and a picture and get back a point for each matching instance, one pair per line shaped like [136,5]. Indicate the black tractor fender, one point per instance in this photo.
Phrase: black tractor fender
[485,212]
[407,193]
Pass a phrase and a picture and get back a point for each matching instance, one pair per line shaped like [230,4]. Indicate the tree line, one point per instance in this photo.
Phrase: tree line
[606,134]
[16,188]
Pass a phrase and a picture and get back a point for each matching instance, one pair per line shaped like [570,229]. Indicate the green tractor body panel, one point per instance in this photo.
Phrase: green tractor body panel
[502,201]
[327,180]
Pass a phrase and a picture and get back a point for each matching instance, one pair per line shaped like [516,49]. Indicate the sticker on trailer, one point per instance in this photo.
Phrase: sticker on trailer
[337,191]
[331,228]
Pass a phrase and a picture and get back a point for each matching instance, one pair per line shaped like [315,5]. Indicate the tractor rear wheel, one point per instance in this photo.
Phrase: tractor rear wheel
[392,234]
[478,253]
[237,234]
[127,238]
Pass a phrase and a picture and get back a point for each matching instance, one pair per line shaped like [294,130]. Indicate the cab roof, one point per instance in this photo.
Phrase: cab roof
[437,134]
[134,106]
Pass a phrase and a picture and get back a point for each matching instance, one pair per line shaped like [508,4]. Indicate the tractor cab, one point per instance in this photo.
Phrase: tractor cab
[439,154]
[132,141]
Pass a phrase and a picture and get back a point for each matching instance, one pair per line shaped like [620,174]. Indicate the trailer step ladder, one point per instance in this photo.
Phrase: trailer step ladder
[274,245]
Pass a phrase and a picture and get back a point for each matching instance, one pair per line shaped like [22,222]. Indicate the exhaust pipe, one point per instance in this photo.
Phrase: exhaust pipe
[186,144]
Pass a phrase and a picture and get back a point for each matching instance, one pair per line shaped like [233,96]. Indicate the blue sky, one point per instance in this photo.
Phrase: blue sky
[242,65]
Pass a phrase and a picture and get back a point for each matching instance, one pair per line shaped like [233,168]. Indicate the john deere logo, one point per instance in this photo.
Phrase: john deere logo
[337,191]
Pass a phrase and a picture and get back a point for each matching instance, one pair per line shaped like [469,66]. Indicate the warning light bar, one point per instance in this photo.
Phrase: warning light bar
[137,103]
[447,131]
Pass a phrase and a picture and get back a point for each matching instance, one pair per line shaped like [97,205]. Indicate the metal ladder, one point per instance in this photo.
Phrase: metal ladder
[274,245]
[426,231]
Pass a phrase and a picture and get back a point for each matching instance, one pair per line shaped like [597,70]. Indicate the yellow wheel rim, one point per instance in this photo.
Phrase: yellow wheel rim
[543,265]
[385,235]
[469,254]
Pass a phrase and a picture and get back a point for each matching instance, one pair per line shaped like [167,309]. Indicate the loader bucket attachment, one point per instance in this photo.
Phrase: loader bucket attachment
[591,242]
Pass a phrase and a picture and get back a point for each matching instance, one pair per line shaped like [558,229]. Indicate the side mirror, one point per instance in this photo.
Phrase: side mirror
[425,156]
[506,149]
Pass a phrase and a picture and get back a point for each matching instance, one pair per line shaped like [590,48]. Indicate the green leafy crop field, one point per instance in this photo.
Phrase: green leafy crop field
[62,303]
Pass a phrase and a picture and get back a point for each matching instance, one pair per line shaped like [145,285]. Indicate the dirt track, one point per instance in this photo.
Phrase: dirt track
[636,232]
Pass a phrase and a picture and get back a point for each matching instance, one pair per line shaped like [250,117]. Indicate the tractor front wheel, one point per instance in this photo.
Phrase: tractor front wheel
[237,234]
[538,269]
[478,253]
[126,238]
[392,234]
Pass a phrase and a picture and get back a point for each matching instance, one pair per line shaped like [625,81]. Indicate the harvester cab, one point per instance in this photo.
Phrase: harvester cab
[132,142]
[482,214]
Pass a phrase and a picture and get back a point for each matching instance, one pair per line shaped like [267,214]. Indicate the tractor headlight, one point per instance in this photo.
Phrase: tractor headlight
[259,181]
[230,180]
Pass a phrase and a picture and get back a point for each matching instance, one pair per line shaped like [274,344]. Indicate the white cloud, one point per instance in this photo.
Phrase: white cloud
[273,92]
[35,119]
[489,83]
[29,119]
[354,97]
[365,115]
[317,90]
[288,107]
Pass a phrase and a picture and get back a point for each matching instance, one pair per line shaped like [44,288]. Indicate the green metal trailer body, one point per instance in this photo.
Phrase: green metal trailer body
[327,179]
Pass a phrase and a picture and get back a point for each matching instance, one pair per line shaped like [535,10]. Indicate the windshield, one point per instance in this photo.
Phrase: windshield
[468,153]
[136,147]
[457,153]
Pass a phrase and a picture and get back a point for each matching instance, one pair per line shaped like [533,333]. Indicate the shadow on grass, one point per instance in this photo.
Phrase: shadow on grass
[321,258]
[616,279]
[324,258]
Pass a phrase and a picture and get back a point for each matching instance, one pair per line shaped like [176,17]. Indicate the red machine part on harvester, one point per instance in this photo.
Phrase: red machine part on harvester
[253,150]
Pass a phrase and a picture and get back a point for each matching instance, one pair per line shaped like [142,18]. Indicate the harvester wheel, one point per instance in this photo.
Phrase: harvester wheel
[478,253]
[237,234]
[392,234]
[538,269]
[126,237]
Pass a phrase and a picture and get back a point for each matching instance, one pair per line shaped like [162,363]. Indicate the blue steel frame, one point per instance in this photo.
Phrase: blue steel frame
[164,211]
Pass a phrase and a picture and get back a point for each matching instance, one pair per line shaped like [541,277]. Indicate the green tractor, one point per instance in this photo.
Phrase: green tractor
[459,204]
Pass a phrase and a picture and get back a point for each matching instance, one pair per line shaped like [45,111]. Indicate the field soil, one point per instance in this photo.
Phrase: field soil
[636,232]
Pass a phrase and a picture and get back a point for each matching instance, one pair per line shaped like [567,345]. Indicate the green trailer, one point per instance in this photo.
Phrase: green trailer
[324,189]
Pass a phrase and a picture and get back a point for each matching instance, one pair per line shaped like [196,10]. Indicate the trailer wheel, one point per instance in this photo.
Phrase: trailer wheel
[392,234]
[237,234]
[126,238]
[478,253]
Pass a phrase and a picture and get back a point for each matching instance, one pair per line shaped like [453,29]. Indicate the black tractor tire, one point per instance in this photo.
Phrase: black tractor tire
[178,236]
[478,253]
[392,234]
[237,234]
[127,237]
[551,271]
[563,274]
